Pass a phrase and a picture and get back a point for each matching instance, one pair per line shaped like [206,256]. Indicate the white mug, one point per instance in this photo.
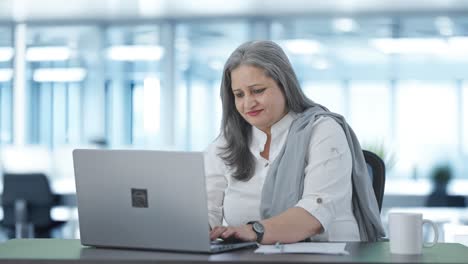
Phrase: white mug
[405,233]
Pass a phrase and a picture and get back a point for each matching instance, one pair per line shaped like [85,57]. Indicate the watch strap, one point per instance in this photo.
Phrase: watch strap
[259,234]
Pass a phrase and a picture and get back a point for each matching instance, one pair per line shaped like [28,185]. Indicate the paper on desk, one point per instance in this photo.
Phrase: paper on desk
[309,247]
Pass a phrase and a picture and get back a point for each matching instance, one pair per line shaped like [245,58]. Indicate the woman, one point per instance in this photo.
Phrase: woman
[281,169]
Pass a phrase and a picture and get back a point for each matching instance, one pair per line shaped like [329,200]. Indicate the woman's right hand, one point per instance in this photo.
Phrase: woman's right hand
[234,233]
[217,231]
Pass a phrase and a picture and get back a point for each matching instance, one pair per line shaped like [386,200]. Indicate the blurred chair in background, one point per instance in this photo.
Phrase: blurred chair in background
[27,201]
[376,169]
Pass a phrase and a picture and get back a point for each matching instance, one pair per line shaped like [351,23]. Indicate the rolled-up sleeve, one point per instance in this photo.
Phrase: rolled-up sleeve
[216,183]
[327,183]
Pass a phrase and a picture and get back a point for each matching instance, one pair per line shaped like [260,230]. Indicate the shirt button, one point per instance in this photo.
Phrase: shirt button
[266,164]
[319,200]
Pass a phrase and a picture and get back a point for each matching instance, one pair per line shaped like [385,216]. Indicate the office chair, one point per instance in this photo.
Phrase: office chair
[27,198]
[376,168]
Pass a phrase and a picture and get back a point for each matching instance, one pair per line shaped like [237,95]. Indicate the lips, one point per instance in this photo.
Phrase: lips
[254,113]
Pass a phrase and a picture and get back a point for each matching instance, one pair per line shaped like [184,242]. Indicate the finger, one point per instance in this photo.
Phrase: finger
[238,235]
[216,232]
[228,233]
[218,229]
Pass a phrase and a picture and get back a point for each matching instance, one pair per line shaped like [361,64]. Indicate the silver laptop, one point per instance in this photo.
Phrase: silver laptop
[144,200]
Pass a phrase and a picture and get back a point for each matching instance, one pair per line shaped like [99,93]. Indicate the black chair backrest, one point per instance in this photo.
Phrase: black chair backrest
[376,168]
[35,190]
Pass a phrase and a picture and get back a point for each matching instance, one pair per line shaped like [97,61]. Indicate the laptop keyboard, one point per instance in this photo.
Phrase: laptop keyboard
[226,244]
[222,247]
[230,240]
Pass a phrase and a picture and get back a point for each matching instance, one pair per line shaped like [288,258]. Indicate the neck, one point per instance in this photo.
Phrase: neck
[266,149]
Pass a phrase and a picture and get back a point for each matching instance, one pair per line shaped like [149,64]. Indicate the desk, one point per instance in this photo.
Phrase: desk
[71,251]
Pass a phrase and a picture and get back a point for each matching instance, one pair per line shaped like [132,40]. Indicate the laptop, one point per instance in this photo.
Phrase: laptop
[144,199]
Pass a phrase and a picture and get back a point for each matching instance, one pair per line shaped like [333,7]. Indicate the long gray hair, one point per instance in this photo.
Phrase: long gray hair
[269,56]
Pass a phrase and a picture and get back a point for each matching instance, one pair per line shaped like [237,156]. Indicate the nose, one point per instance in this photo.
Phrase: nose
[249,102]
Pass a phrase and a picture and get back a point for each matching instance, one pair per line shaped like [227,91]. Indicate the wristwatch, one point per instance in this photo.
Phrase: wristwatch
[258,228]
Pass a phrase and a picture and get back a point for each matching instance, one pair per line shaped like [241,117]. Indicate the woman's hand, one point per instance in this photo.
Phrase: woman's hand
[244,233]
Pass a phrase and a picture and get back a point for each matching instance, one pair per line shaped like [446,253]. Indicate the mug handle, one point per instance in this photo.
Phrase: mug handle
[436,233]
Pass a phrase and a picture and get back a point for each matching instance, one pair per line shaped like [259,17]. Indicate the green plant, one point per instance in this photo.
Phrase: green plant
[441,174]
[384,153]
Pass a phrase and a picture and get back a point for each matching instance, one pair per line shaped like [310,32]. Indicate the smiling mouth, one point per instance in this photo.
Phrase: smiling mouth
[254,113]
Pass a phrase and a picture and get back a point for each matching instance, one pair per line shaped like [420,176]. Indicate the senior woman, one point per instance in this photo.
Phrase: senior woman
[284,169]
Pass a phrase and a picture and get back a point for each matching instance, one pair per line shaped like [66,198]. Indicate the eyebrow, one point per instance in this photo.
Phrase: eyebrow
[255,84]
[250,86]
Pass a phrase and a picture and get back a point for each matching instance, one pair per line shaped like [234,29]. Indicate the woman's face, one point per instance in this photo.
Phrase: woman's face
[258,97]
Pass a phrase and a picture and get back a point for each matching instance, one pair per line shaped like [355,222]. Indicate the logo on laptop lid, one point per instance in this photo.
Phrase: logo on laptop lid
[139,198]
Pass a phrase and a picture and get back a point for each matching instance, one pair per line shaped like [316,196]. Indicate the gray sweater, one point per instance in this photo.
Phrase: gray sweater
[284,183]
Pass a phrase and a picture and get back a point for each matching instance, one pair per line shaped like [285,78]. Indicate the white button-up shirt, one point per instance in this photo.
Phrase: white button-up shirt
[327,183]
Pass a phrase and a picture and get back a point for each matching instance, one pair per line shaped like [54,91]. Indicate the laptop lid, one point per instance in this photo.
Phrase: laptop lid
[142,199]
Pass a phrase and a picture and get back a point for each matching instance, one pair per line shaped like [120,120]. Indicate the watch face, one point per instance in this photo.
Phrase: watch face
[258,227]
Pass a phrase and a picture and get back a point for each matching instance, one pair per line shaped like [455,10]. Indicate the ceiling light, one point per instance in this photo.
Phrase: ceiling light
[135,53]
[48,53]
[150,7]
[409,45]
[302,46]
[6,75]
[321,64]
[345,25]
[59,75]
[6,53]
[216,65]
[444,25]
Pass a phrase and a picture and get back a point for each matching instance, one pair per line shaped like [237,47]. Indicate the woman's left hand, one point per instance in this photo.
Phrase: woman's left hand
[244,233]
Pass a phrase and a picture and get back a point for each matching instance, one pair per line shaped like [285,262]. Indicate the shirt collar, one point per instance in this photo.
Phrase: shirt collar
[259,137]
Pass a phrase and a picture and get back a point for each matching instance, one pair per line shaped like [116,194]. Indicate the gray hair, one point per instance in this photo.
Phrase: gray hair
[269,56]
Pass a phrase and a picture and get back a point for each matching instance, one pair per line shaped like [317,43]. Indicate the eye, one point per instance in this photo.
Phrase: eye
[259,91]
[239,95]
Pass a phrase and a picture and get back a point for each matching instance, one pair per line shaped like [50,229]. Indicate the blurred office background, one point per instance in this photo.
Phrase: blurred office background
[146,74]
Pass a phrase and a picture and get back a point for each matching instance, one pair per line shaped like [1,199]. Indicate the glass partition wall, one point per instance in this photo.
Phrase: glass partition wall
[6,84]
[134,86]
[399,81]
[201,49]
[61,63]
